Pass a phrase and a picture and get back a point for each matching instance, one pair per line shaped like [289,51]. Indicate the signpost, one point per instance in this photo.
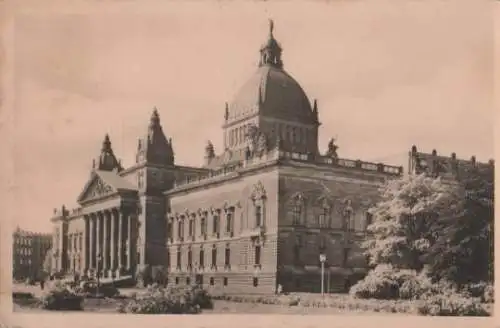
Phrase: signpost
[322,259]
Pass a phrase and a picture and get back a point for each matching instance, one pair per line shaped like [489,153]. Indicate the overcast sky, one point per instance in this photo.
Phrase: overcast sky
[385,76]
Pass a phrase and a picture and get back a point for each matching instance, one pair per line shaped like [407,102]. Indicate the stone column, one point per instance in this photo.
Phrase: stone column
[86,245]
[113,218]
[121,217]
[98,241]
[92,241]
[105,243]
[130,241]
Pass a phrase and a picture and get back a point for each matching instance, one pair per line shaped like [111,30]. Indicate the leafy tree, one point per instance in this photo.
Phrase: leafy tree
[463,248]
[400,231]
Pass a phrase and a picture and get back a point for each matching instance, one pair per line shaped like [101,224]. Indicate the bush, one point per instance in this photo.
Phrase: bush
[415,287]
[176,300]
[60,298]
[489,294]
[482,290]
[450,303]
[382,283]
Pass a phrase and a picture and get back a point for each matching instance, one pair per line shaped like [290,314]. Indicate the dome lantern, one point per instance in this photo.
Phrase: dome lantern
[270,53]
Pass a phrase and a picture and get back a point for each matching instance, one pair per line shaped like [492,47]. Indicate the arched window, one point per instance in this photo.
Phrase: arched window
[347,223]
[259,200]
[368,219]
[298,210]
[324,215]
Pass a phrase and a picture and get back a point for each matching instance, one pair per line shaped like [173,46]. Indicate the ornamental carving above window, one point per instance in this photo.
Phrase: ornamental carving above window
[259,192]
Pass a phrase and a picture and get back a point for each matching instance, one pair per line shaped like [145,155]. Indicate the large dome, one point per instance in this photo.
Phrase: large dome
[273,93]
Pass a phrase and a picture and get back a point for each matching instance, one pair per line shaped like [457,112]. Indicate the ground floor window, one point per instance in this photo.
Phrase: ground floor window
[176,280]
[188,281]
[212,281]
[225,280]
[255,282]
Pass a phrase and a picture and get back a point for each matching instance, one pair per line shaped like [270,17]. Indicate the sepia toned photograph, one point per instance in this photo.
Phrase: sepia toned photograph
[301,158]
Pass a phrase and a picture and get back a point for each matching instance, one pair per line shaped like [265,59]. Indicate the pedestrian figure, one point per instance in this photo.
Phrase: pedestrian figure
[42,283]
[280,289]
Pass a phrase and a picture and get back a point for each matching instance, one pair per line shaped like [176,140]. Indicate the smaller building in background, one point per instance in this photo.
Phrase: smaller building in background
[28,253]
[446,167]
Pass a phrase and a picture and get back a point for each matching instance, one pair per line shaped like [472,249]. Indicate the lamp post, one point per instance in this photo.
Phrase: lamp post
[322,259]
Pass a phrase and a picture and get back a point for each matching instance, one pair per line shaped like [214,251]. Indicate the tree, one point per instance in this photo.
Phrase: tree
[463,248]
[400,231]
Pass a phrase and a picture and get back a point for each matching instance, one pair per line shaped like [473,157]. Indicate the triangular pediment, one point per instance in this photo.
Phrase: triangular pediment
[95,188]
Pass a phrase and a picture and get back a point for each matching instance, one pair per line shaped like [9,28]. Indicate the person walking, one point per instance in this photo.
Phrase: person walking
[42,283]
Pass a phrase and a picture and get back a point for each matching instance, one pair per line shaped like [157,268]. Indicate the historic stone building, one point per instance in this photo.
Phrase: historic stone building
[450,167]
[28,253]
[257,214]
[270,203]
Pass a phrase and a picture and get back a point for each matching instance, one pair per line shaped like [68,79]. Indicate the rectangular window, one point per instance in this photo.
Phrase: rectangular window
[345,257]
[179,229]
[169,230]
[214,257]
[227,260]
[203,227]
[216,224]
[190,259]
[212,281]
[368,219]
[191,228]
[258,216]
[229,222]
[176,280]
[188,281]
[178,259]
[225,281]
[257,255]
[202,258]
[255,282]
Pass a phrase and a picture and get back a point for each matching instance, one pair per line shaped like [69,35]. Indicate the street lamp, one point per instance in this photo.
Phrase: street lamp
[322,259]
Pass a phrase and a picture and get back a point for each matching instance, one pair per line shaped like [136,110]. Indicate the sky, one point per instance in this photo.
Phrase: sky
[385,77]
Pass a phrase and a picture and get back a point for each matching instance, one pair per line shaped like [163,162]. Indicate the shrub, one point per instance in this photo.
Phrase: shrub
[381,283]
[415,287]
[175,300]
[60,298]
[482,290]
[489,294]
[450,303]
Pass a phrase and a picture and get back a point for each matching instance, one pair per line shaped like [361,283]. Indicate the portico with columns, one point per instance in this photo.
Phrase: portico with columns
[109,209]
[110,242]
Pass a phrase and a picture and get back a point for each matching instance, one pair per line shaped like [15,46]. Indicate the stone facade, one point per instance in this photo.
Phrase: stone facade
[28,253]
